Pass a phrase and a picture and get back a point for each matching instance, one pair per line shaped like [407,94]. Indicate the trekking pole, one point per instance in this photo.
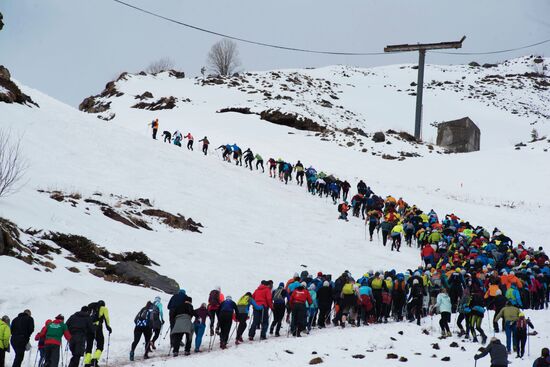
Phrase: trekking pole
[166,334]
[108,345]
[35,358]
[528,345]
[232,331]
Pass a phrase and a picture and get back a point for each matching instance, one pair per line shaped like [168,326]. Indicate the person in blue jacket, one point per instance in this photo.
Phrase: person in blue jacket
[227,308]
[513,295]
[311,308]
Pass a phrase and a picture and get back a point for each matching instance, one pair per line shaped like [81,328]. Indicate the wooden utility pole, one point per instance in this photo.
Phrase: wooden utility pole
[421,48]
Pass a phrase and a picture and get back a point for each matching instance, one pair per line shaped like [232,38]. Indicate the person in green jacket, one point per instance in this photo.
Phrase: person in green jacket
[5,334]
[510,314]
[259,162]
[53,333]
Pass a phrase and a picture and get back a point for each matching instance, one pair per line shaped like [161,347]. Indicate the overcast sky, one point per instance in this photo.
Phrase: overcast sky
[69,49]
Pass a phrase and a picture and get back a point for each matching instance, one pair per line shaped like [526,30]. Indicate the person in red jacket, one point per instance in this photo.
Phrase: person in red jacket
[427,254]
[298,306]
[190,142]
[262,296]
[52,334]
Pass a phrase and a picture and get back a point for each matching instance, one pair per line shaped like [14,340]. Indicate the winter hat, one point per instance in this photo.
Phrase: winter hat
[521,314]
[281,285]
[415,281]
[498,292]
[320,274]
[6,319]
[494,339]
[60,317]
[296,275]
[229,298]
[326,283]
[312,286]
[303,284]
[381,276]
[157,299]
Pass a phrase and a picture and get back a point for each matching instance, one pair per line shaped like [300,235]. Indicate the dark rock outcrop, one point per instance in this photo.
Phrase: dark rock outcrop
[243,110]
[291,120]
[379,137]
[137,273]
[174,221]
[163,103]
[10,92]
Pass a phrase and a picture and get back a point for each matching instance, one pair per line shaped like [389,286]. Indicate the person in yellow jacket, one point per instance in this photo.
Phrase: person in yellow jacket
[5,335]
[396,232]
[100,316]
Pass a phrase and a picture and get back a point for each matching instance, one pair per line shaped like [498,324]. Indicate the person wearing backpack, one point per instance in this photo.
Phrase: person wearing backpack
[349,297]
[205,144]
[367,301]
[324,300]
[343,209]
[279,306]
[373,219]
[227,309]
[399,296]
[81,327]
[143,326]
[158,321]
[297,303]
[22,328]
[5,334]
[100,315]
[52,334]
[443,304]
[182,325]
[262,296]
[199,325]
[243,306]
[215,298]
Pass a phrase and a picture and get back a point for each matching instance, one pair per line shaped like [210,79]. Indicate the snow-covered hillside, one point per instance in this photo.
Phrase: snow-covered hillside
[254,227]
[348,104]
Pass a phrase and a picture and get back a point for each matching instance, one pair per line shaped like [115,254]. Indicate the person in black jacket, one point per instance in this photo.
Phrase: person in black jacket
[81,329]
[22,328]
[499,355]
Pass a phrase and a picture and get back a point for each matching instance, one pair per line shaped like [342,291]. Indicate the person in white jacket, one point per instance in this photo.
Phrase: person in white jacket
[443,304]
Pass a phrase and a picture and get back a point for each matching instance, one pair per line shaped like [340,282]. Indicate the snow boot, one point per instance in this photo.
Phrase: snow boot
[187,353]
[132,356]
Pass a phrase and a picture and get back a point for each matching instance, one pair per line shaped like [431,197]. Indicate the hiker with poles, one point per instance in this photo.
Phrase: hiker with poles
[497,351]
[81,328]
[228,308]
[143,326]
[243,306]
[52,334]
[158,321]
[100,316]
[262,296]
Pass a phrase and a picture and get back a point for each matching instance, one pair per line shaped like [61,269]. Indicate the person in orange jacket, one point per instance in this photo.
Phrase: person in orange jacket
[155,127]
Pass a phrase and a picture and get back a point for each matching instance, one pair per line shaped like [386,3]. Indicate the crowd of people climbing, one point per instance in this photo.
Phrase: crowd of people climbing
[467,275]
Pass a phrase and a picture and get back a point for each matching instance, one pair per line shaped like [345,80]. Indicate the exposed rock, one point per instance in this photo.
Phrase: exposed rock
[73,269]
[176,74]
[289,351]
[400,332]
[403,359]
[453,345]
[292,120]
[435,346]
[243,110]
[144,95]
[132,271]
[91,105]
[474,64]
[391,356]
[12,93]
[163,103]
[487,66]
[110,213]
[446,359]
[392,338]
[378,137]
[358,356]
[178,222]
[316,360]
[81,247]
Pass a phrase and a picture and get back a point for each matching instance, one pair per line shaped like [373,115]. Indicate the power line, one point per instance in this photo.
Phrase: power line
[258,43]
[492,52]
[304,50]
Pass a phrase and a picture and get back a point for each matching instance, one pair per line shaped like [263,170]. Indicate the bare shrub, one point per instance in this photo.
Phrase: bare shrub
[160,65]
[223,58]
[12,164]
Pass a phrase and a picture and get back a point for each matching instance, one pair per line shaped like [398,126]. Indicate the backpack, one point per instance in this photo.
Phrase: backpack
[243,301]
[386,298]
[373,219]
[94,311]
[399,285]
[143,318]
[366,302]
[278,296]
[214,300]
[347,289]
[340,208]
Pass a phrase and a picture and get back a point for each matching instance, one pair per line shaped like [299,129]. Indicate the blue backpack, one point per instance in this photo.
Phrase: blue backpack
[143,318]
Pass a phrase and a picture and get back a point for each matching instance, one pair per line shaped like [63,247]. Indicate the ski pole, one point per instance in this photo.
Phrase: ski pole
[108,345]
[166,334]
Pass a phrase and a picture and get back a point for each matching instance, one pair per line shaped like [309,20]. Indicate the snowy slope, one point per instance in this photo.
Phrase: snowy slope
[255,227]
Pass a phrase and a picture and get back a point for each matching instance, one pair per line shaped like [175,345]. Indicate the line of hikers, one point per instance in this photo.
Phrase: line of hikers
[82,331]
